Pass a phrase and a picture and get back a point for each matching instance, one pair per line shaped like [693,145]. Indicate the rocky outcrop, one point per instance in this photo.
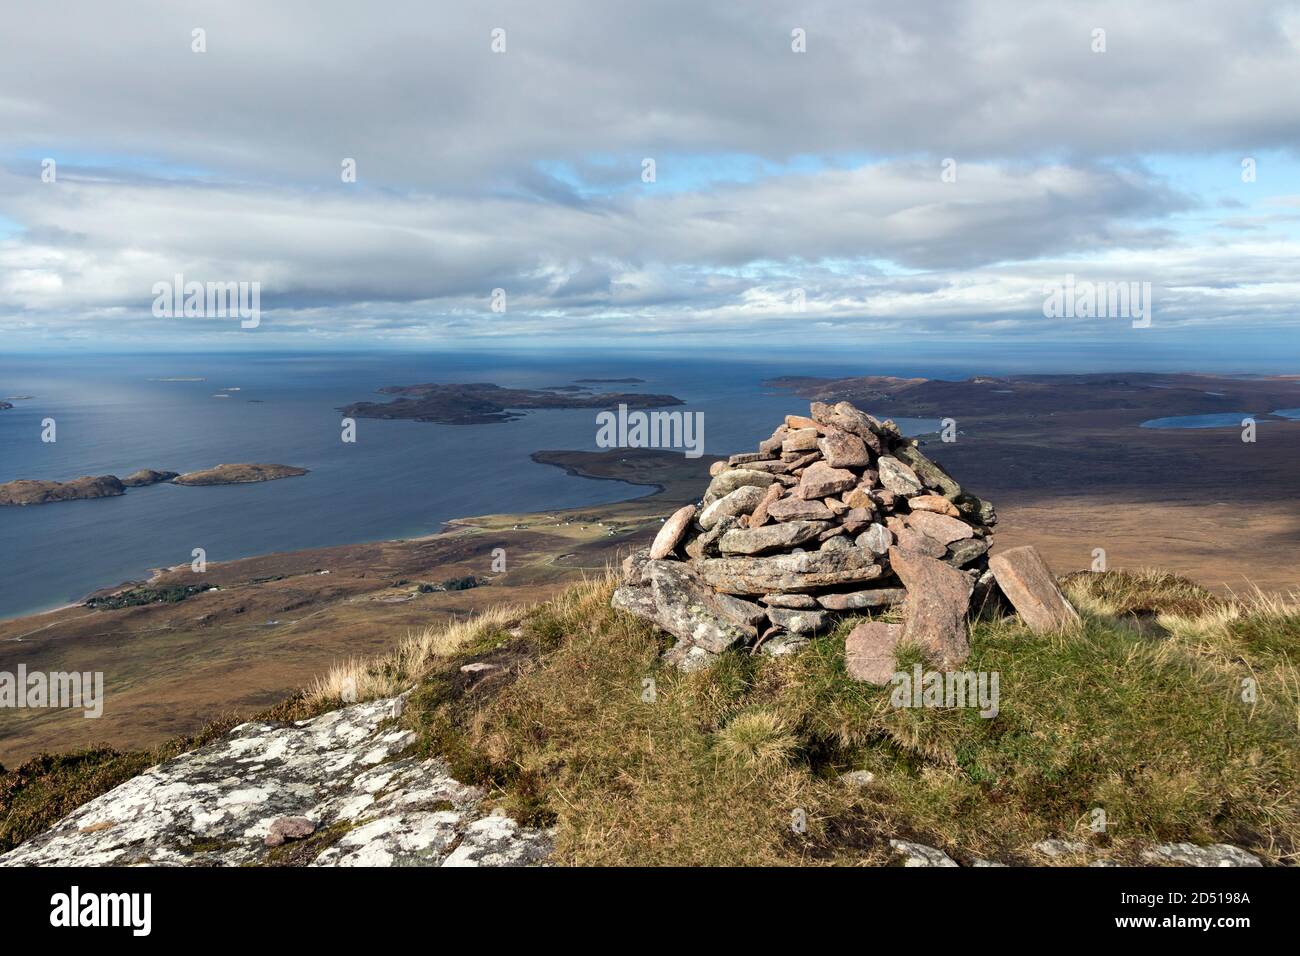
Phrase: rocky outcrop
[819,522]
[342,789]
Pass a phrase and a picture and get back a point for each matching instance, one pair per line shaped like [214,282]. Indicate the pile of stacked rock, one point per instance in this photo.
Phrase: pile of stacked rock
[835,513]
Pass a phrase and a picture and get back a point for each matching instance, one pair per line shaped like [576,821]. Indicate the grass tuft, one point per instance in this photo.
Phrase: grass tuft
[758,741]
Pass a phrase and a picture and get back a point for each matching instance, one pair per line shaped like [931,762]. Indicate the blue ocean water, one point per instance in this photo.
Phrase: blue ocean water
[115,414]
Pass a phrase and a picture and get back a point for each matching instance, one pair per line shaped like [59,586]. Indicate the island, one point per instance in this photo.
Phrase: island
[4,405]
[30,492]
[238,474]
[148,476]
[482,403]
[27,491]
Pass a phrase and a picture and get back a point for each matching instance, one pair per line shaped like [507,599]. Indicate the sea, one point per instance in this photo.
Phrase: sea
[114,414]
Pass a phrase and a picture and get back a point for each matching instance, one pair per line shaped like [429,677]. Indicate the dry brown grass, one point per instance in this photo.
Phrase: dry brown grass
[390,674]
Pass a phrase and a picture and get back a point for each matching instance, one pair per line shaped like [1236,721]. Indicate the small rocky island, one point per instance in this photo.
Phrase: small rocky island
[4,405]
[31,492]
[238,474]
[483,403]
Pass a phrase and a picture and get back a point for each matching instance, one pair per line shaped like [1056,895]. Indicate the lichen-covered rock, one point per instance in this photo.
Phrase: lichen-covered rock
[843,450]
[732,505]
[678,601]
[928,471]
[897,476]
[918,854]
[728,481]
[1189,854]
[346,773]
[797,621]
[862,600]
[771,537]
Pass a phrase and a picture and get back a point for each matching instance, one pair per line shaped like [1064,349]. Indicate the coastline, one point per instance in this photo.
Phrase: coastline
[1067,468]
[278,620]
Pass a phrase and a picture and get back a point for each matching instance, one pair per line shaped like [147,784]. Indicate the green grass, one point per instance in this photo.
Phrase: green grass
[1141,712]
[1143,721]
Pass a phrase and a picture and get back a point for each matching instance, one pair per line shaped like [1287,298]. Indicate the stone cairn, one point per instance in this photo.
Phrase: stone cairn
[835,513]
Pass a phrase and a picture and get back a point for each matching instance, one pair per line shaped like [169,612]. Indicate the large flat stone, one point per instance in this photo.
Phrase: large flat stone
[798,509]
[910,539]
[941,528]
[789,573]
[936,503]
[800,439]
[771,537]
[820,479]
[862,600]
[938,596]
[1030,586]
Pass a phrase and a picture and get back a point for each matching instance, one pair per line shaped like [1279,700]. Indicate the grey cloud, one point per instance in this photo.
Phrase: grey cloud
[226,164]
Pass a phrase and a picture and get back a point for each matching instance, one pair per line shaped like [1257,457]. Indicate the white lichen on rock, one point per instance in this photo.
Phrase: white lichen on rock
[344,771]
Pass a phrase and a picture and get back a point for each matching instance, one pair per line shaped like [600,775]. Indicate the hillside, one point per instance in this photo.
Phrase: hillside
[564,718]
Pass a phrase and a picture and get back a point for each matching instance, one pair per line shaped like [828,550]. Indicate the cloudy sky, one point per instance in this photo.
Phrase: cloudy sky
[798,198]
